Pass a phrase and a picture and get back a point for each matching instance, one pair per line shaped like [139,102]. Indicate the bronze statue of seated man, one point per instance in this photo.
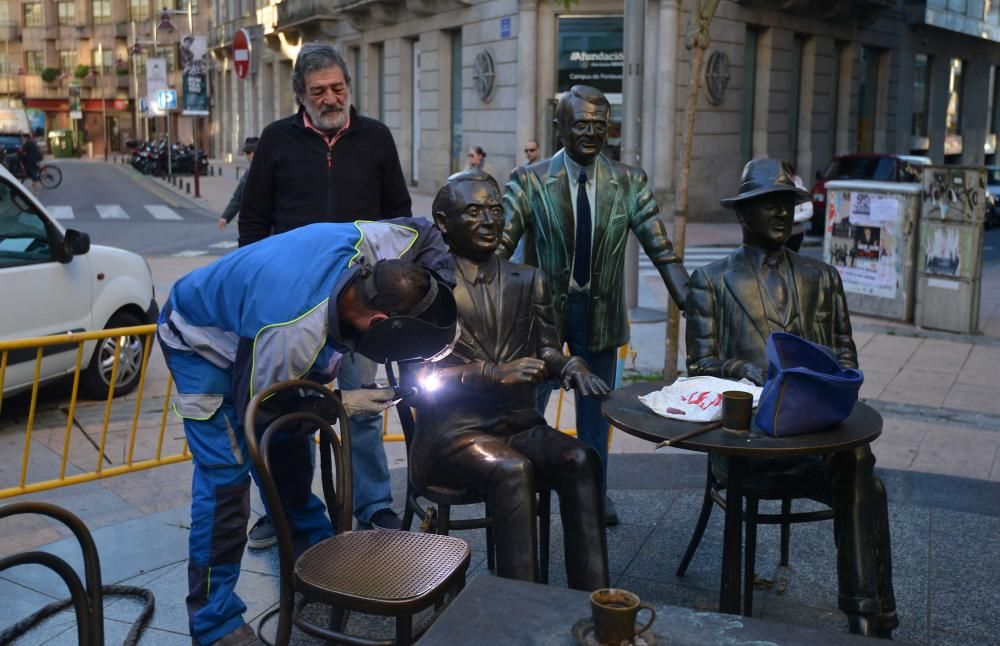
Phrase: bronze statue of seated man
[732,307]
[480,430]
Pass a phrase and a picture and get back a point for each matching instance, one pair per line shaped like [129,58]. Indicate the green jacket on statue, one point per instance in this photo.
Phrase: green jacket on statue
[539,207]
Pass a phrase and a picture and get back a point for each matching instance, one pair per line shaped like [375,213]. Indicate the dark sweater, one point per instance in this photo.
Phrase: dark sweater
[296,179]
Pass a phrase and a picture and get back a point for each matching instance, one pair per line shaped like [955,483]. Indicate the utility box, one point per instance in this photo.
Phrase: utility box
[949,256]
[870,237]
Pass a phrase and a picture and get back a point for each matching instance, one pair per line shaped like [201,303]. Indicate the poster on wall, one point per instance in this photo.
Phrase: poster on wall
[194,66]
[591,52]
[864,234]
[156,81]
[947,249]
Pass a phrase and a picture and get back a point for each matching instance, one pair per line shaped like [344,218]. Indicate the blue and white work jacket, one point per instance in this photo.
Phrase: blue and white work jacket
[267,311]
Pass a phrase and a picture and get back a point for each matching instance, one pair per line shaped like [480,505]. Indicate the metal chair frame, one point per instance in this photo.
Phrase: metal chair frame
[375,545]
[87,601]
[753,493]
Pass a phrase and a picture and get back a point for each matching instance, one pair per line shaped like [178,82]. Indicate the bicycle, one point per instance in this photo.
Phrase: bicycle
[49,176]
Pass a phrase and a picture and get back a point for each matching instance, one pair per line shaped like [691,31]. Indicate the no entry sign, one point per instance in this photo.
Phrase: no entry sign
[241,53]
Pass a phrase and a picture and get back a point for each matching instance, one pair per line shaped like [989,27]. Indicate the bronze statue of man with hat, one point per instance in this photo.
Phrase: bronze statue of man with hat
[732,307]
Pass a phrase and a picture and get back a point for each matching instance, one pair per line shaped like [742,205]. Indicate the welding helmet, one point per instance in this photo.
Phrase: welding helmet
[427,331]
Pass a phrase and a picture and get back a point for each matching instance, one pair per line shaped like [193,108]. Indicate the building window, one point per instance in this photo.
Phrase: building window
[4,65]
[182,5]
[169,54]
[104,66]
[34,62]
[953,116]
[33,16]
[139,10]
[867,100]
[67,60]
[795,97]
[139,63]
[921,94]
[5,18]
[67,13]
[102,12]
[458,160]
[749,92]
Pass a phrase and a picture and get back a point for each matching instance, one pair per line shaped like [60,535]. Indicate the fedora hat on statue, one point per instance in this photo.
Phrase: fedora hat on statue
[763,177]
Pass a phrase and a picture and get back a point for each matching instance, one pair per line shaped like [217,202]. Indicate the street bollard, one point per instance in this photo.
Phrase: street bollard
[187,187]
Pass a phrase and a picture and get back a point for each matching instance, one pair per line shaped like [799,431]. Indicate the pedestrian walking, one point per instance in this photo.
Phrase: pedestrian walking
[233,208]
[327,163]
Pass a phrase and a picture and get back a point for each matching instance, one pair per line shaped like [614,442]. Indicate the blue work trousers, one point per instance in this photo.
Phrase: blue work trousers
[591,427]
[220,493]
[372,489]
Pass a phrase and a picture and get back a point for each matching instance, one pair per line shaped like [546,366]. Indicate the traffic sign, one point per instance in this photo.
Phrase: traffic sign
[166,99]
[241,53]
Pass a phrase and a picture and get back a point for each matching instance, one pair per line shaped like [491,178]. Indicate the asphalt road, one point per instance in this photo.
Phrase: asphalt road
[120,208]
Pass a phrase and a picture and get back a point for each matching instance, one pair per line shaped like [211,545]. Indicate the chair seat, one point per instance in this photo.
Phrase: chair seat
[380,571]
[446,495]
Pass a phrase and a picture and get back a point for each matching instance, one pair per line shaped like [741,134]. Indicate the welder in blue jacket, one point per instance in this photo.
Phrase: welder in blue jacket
[286,308]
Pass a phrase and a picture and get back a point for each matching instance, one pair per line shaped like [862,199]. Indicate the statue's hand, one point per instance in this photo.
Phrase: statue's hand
[585,382]
[754,373]
[520,371]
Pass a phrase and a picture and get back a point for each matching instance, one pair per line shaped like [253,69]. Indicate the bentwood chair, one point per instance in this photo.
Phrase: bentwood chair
[770,479]
[379,572]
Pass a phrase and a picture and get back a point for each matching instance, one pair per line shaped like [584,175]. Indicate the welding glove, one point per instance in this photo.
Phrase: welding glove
[366,402]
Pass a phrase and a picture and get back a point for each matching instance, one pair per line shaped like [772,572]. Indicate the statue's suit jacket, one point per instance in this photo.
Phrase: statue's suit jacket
[516,323]
[538,205]
[727,322]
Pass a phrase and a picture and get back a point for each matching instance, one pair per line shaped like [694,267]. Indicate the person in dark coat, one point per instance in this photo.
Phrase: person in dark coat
[327,163]
[732,307]
[233,208]
[481,430]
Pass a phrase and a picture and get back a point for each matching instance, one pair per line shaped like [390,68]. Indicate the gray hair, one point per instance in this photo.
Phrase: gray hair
[314,57]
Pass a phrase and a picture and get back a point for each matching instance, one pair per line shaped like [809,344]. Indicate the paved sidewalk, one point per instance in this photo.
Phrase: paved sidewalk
[939,454]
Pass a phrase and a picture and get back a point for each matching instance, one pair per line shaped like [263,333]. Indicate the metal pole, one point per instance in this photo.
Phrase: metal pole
[635,19]
[197,184]
[104,102]
[170,149]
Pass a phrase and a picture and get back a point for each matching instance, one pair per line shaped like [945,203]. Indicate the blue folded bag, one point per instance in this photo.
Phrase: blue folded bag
[806,391]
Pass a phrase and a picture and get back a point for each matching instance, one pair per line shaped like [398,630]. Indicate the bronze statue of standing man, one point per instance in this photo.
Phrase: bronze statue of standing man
[575,211]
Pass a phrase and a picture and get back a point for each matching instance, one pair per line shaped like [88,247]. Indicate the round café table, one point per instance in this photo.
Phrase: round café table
[624,411]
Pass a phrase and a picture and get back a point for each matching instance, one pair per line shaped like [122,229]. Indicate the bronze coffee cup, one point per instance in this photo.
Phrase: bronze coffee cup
[614,612]
[737,410]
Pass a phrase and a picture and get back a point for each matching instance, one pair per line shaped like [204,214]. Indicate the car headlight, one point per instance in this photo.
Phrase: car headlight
[819,197]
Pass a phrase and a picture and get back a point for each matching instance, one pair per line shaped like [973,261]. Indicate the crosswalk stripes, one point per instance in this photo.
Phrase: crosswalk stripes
[61,212]
[111,212]
[225,244]
[694,257]
[161,212]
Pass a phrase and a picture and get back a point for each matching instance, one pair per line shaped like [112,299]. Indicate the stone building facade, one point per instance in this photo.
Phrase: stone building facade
[803,82]
[99,46]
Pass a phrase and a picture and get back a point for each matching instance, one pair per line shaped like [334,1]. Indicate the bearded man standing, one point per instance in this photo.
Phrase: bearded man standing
[327,163]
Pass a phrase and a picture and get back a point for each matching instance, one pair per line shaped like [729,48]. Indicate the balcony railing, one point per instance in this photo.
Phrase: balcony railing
[296,12]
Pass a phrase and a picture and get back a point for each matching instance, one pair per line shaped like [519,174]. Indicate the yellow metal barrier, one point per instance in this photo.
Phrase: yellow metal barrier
[123,435]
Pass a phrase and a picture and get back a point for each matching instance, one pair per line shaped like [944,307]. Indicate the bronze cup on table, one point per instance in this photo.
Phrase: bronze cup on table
[614,612]
[737,410]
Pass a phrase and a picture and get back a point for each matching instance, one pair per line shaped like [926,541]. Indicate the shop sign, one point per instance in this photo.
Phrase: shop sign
[75,112]
[591,52]
[194,66]
[156,81]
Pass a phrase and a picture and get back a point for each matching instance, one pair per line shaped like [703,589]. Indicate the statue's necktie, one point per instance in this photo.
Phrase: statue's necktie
[777,287]
[581,262]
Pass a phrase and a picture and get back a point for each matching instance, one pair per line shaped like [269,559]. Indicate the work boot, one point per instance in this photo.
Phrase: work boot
[242,636]
[385,519]
[263,534]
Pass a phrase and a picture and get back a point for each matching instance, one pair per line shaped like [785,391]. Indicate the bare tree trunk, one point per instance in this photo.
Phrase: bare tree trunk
[696,41]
